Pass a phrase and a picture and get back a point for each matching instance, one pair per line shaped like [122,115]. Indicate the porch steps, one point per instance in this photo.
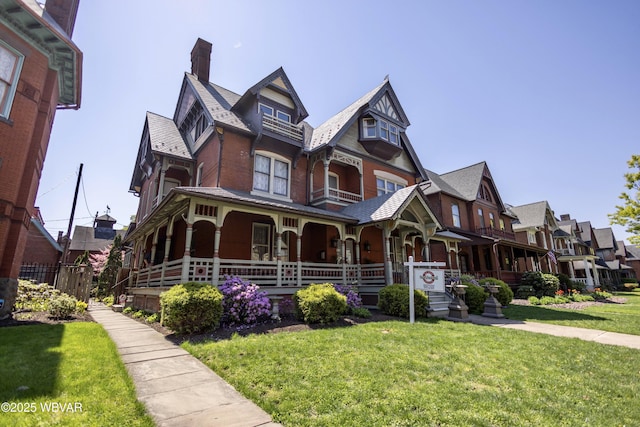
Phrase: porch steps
[438,304]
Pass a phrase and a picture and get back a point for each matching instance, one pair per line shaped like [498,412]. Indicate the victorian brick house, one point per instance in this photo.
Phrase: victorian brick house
[40,72]
[240,184]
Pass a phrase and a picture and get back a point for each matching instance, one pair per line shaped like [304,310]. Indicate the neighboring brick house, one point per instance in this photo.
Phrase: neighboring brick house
[535,225]
[467,203]
[43,248]
[240,184]
[577,247]
[40,72]
[632,259]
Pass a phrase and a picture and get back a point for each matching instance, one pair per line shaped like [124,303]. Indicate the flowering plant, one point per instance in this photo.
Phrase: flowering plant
[243,303]
[351,292]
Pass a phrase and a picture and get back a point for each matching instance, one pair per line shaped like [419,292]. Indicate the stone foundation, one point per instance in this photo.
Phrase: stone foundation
[8,295]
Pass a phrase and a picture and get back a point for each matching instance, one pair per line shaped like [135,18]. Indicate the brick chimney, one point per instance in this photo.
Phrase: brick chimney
[64,13]
[201,59]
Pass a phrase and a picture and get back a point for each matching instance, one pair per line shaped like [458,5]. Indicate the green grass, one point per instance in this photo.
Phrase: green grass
[74,364]
[432,373]
[622,318]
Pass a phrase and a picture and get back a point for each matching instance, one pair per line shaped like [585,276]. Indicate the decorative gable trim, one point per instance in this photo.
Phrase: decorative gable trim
[385,106]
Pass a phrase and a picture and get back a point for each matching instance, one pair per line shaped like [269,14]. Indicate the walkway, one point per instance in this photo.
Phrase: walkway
[602,337]
[176,388]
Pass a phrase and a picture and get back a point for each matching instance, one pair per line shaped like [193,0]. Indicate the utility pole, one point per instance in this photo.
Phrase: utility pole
[73,212]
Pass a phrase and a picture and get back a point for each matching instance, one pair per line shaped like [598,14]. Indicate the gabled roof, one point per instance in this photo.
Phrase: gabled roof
[40,228]
[280,75]
[531,215]
[84,239]
[165,138]
[605,238]
[217,103]
[586,232]
[440,185]
[620,251]
[387,206]
[633,252]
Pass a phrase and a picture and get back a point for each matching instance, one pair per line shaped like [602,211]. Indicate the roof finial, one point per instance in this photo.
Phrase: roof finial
[386,78]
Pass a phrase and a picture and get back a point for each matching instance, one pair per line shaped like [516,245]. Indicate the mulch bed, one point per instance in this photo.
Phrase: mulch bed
[20,318]
[576,305]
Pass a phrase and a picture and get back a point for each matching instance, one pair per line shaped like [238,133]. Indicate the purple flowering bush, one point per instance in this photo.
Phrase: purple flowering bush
[351,292]
[243,303]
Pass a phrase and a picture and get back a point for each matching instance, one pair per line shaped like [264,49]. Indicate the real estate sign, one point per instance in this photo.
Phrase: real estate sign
[425,276]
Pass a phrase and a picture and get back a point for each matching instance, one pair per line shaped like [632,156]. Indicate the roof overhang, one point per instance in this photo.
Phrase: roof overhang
[30,21]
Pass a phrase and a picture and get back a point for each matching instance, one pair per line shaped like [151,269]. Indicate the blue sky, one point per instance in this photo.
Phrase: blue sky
[547,92]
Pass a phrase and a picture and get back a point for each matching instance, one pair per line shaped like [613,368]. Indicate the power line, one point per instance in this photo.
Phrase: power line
[84,194]
[55,186]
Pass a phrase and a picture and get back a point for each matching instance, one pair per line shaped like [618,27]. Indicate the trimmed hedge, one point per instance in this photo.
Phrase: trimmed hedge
[543,284]
[319,303]
[191,307]
[393,300]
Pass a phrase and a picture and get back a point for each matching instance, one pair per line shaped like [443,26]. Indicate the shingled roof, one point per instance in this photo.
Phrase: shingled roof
[165,137]
[530,215]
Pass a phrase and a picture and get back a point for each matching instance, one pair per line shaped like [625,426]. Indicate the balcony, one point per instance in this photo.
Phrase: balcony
[282,127]
[335,195]
[566,251]
[495,233]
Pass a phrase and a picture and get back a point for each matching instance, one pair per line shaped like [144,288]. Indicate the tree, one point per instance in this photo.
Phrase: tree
[628,215]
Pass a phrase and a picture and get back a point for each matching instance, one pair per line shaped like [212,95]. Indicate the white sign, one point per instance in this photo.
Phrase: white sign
[428,279]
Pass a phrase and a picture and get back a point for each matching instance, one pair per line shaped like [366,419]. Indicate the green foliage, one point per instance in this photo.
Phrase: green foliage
[504,295]
[542,283]
[475,296]
[394,301]
[534,300]
[361,312]
[128,310]
[600,295]
[34,297]
[152,318]
[62,306]
[630,286]
[83,258]
[139,314]
[628,214]
[81,307]
[191,307]
[108,300]
[319,303]
[525,291]
[546,300]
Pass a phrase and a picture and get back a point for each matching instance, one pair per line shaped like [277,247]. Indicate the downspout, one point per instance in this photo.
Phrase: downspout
[220,132]
[497,259]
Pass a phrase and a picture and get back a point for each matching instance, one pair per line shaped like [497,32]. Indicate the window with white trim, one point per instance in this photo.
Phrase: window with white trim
[385,186]
[199,175]
[481,217]
[492,222]
[261,242]
[10,67]
[378,128]
[268,110]
[531,237]
[271,174]
[455,213]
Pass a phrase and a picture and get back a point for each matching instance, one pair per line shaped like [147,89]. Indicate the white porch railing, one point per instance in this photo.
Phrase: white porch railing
[282,127]
[262,273]
[335,194]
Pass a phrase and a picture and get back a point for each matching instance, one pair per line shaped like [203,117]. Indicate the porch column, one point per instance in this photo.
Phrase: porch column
[278,259]
[163,172]
[167,247]
[299,259]
[595,273]
[343,245]
[590,286]
[571,270]
[361,186]
[186,259]
[215,274]
[388,267]
[325,162]
[154,246]
[359,270]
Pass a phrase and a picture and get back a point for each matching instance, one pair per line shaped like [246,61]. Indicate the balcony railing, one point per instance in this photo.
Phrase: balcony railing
[282,127]
[494,232]
[567,251]
[335,194]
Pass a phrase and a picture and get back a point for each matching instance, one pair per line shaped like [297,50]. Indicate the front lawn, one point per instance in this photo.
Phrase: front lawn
[65,375]
[612,317]
[432,373]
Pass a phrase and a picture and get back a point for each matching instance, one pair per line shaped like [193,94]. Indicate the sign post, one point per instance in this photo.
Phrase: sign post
[425,276]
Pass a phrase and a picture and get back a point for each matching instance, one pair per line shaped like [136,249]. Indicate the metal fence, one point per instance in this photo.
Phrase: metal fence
[40,273]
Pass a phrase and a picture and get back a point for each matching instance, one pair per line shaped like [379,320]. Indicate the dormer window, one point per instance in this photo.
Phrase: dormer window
[268,110]
[380,129]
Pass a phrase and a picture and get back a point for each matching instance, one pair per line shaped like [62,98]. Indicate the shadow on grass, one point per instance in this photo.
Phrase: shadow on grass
[534,312]
[29,361]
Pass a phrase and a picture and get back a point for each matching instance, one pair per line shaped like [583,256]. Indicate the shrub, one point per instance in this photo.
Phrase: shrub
[361,312]
[543,284]
[191,307]
[351,292]
[243,303]
[600,295]
[139,314]
[629,286]
[34,297]
[128,310]
[81,307]
[394,301]
[504,295]
[534,300]
[152,318]
[525,291]
[475,296]
[62,306]
[108,300]
[319,303]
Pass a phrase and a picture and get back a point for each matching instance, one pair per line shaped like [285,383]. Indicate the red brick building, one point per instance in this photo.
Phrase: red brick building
[40,72]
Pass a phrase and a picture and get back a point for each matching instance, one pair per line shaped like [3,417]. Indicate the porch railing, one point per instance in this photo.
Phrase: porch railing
[494,232]
[282,127]
[335,194]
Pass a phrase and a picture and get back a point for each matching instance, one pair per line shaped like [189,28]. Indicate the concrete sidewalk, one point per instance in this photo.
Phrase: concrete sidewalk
[176,388]
[602,337]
